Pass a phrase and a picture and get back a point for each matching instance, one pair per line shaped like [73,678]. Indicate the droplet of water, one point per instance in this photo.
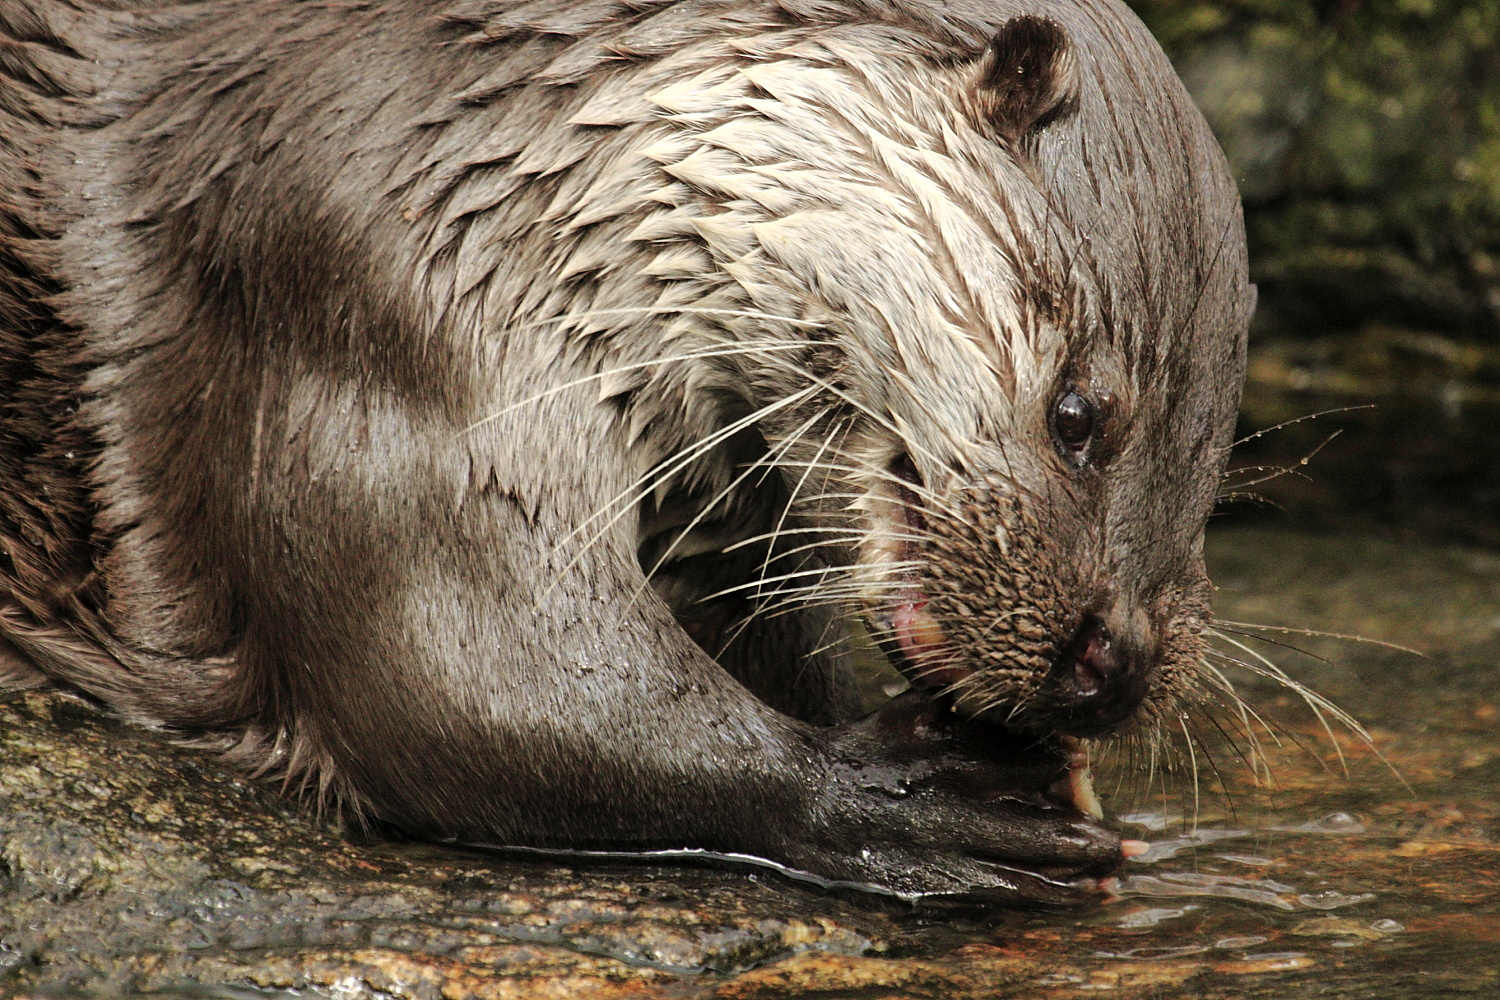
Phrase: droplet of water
[1153,916]
[1150,820]
[1247,859]
[1339,822]
[1205,878]
[1155,953]
[1161,850]
[1388,926]
[1191,884]
[1058,979]
[1271,959]
[1332,899]
[1236,943]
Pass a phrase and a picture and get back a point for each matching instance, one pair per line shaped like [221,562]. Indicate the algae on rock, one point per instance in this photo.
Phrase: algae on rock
[1366,141]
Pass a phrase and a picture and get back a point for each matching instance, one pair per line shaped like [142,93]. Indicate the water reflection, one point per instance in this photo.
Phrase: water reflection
[1319,871]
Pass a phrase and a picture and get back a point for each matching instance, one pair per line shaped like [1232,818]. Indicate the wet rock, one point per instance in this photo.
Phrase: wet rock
[130,864]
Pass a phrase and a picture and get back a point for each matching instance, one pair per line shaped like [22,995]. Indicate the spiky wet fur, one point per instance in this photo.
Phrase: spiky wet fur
[699,240]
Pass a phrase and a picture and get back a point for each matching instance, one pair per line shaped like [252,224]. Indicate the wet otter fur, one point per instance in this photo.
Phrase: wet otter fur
[488,413]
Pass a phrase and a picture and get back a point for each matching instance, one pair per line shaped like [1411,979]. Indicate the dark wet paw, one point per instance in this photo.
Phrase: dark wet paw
[920,802]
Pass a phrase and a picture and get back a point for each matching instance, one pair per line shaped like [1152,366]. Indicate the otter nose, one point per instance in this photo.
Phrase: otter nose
[1095,660]
[1104,678]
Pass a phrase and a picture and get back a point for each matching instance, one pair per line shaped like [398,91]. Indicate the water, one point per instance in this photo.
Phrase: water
[1348,868]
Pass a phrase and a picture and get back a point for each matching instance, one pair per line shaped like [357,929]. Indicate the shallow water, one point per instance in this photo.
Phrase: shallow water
[1375,876]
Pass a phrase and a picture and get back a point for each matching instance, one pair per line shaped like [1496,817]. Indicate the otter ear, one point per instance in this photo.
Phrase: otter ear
[1026,79]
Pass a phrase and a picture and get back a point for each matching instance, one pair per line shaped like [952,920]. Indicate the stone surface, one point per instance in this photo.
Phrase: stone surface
[131,864]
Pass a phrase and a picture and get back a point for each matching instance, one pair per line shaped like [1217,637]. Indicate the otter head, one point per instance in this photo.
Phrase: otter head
[1036,546]
[1019,286]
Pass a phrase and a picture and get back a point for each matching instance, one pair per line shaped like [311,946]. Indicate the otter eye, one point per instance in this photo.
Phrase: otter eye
[1073,420]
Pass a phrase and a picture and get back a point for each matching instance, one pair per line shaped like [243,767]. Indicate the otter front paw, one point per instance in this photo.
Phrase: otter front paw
[922,803]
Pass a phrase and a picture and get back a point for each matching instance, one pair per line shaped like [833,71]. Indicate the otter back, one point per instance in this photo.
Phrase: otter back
[490,416]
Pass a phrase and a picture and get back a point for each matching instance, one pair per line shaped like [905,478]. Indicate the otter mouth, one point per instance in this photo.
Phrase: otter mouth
[913,638]
[921,652]
[914,641]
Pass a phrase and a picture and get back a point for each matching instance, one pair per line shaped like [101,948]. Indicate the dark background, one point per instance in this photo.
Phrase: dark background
[1365,137]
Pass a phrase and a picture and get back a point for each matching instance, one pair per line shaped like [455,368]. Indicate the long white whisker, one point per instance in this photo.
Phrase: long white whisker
[672,311]
[1321,635]
[1278,471]
[1317,703]
[1245,711]
[1193,758]
[771,535]
[717,352]
[627,498]
[929,498]
[776,532]
[765,566]
[760,583]
[878,418]
[795,574]
[1297,420]
[1254,668]
[786,600]
[765,461]
[826,543]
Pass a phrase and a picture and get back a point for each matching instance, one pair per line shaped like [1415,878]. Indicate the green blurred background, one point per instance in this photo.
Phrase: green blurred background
[1366,140]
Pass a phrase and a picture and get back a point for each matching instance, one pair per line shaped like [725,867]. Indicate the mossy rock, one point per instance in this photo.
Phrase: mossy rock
[1366,140]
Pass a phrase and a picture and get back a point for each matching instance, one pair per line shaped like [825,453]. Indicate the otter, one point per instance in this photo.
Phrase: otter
[488,416]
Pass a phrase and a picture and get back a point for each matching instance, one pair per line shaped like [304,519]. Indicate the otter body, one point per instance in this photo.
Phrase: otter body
[488,414]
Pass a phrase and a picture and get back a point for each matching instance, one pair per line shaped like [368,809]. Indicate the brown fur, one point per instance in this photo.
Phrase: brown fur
[438,404]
